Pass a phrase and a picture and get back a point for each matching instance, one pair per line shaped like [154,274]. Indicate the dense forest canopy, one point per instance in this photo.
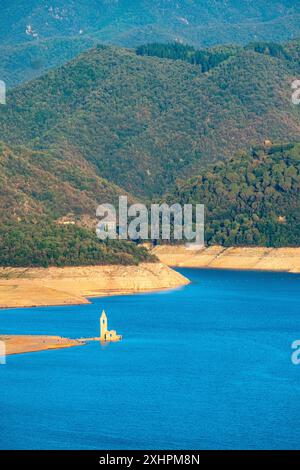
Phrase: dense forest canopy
[45,244]
[209,58]
[251,199]
[206,59]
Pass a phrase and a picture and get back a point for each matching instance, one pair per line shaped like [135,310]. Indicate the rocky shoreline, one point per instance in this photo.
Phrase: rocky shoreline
[32,287]
[244,258]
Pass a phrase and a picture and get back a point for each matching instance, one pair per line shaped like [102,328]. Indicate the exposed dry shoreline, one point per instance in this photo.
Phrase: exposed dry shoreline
[72,285]
[18,344]
[247,258]
[30,287]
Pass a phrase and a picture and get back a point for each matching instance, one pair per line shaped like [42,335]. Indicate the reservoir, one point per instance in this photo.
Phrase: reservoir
[207,366]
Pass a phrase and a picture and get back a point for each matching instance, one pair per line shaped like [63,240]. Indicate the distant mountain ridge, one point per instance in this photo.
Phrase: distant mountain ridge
[23,62]
[36,35]
[131,22]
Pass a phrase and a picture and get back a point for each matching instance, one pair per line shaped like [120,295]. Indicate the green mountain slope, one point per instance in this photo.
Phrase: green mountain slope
[142,122]
[36,184]
[251,199]
[44,204]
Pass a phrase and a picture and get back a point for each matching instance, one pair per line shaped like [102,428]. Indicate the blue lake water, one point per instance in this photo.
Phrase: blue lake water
[207,366]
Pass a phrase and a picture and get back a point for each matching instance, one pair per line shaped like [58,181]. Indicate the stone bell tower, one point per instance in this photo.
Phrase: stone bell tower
[103,326]
[106,335]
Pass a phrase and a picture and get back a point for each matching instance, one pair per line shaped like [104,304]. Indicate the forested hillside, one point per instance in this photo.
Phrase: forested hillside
[115,121]
[210,58]
[251,199]
[206,59]
[141,122]
[39,183]
[45,243]
[44,203]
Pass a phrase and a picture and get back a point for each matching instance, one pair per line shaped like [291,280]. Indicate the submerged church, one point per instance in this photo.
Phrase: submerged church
[105,334]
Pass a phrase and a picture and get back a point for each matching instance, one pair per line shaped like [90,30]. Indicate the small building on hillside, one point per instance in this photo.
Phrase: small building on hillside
[66,220]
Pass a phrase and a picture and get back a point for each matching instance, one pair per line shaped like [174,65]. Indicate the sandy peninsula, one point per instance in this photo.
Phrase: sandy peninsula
[218,257]
[18,344]
[30,287]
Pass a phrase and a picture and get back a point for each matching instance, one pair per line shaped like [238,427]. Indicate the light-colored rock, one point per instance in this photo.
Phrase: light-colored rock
[20,287]
[253,258]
